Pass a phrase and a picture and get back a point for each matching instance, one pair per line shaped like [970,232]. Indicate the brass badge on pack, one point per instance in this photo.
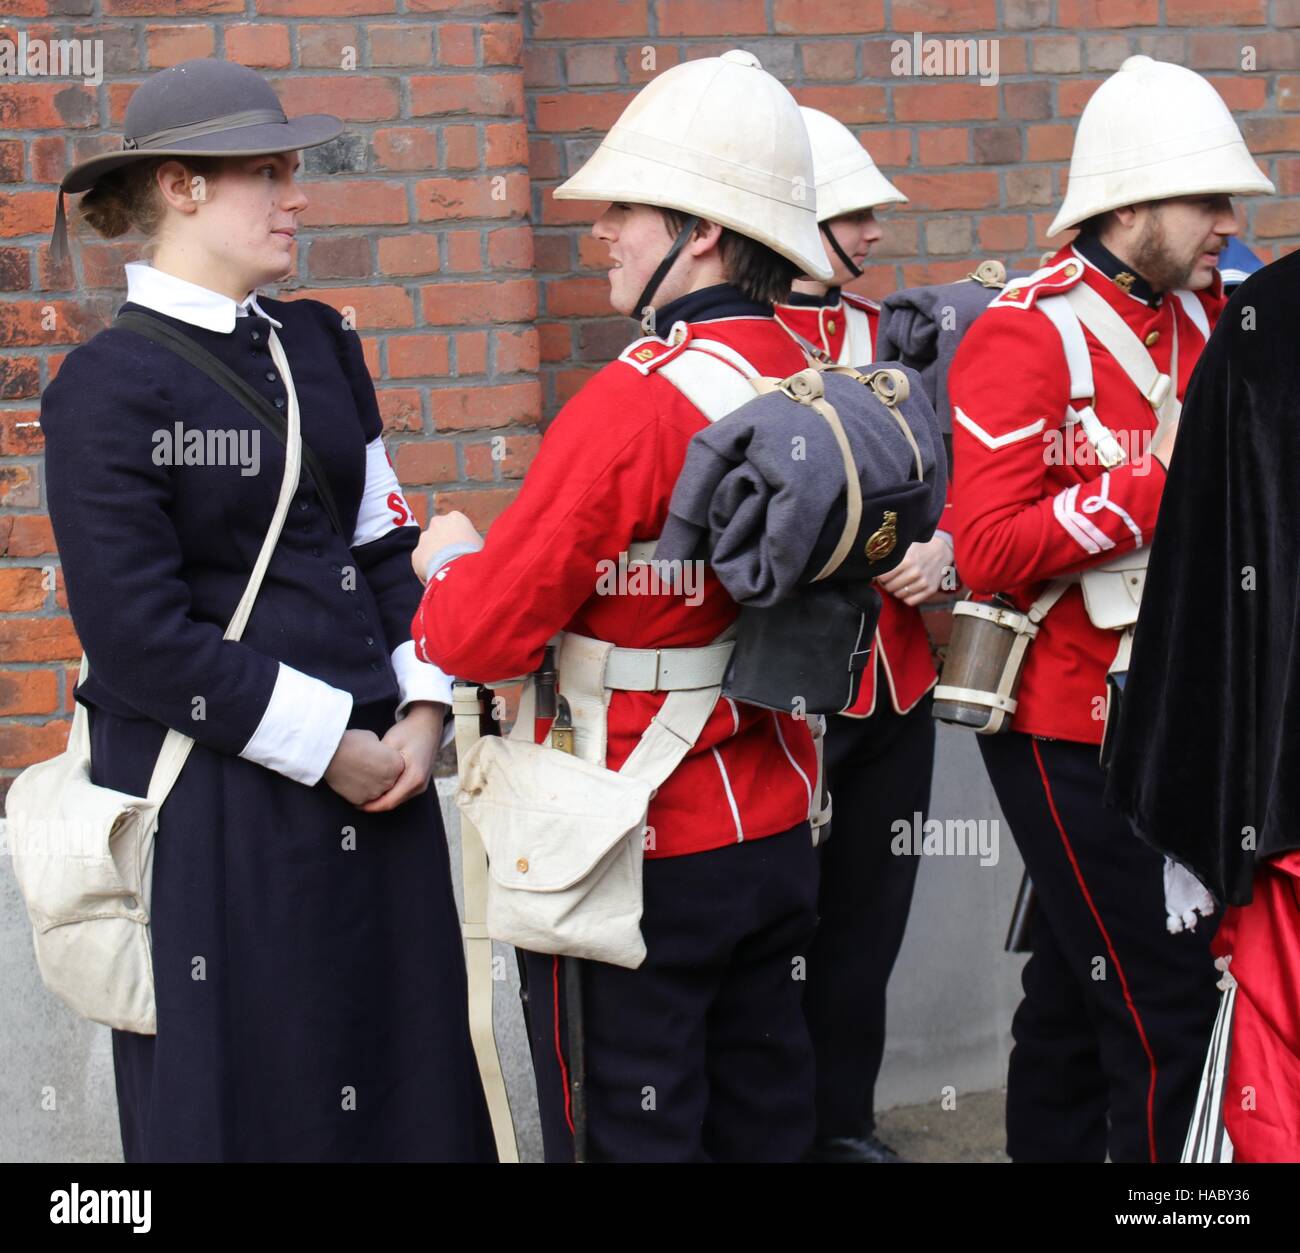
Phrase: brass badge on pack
[882,540]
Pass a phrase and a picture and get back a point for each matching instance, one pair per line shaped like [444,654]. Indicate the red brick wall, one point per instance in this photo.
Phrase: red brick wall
[463,114]
[420,226]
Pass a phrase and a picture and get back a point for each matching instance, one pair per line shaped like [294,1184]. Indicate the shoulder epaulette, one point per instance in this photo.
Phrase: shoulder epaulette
[646,355]
[860,302]
[1052,280]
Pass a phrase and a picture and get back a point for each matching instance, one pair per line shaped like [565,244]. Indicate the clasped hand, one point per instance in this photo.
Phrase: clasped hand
[376,774]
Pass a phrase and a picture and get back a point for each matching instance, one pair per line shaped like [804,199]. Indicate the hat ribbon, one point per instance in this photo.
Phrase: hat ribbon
[193,130]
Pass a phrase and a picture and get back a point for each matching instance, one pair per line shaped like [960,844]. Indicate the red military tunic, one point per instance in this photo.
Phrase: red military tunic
[901,641]
[1023,514]
[601,480]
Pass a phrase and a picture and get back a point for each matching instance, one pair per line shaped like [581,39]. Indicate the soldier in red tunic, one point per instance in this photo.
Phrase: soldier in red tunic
[701,1053]
[1066,398]
[879,753]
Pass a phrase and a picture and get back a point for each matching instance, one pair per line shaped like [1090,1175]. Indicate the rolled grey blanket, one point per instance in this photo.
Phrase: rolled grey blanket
[921,328]
[762,496]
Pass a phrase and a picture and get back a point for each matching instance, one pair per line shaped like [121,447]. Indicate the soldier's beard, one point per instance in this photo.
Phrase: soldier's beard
[1155,261]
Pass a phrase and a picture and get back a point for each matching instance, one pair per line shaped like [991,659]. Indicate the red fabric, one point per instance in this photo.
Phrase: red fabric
[823,326]
[1020,518]
[602,479]
[557,1018]
[903,645]
[1263,939]
[901,638]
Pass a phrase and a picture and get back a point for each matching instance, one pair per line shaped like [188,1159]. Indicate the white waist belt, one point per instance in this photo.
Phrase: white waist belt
[667,669]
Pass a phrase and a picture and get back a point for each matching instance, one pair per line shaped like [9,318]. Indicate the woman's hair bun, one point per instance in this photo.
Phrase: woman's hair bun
[128,198]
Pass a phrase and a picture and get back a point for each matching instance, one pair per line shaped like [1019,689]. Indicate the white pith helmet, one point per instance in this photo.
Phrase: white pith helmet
[1154,130]
[720,138]
[847,178]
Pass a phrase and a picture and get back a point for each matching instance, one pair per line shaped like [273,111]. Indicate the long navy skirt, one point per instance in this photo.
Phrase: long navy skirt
[309,971]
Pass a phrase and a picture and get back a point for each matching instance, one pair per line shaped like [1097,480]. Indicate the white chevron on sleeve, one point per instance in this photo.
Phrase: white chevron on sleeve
[1092,539]
[999,441]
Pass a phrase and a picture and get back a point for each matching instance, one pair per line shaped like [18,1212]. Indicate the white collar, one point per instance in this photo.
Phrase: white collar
[179,298]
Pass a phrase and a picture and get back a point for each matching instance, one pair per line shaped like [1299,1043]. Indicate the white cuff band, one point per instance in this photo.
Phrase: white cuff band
[419,680]
[300,728]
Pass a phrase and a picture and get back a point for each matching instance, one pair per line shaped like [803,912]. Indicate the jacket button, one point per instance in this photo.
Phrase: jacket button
[302,504]
[256,335]
[361,615]
[279,402]
[1152,339]
[370,640]
[271,376]
[374,665]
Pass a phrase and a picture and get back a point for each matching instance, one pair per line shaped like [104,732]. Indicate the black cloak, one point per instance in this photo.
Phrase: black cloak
[1207,762]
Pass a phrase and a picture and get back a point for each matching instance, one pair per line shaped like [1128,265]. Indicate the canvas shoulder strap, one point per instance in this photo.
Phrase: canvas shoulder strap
[1121,341]
[1070,313]
[468,711]
[857,348]
[713,376]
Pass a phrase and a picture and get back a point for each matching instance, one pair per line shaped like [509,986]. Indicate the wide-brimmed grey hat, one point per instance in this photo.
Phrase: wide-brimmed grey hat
[200,108]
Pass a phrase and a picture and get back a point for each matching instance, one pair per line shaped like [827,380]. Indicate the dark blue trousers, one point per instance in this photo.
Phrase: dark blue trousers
[1111,1035]
[879,771]
[701,1054]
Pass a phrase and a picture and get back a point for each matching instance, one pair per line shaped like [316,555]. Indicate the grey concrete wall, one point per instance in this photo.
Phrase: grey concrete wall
[950,1001]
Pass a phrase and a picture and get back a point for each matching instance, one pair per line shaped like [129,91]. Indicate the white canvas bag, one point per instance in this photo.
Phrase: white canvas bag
[564,835]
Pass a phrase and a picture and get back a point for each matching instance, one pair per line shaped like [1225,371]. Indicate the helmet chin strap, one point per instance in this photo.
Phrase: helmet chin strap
[643,306]
[853,269]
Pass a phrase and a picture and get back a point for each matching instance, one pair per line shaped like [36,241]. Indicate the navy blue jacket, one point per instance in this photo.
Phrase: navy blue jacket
[156,556]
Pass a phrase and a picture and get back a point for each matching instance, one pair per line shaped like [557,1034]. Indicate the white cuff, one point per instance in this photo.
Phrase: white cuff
[418,680]
[300,728]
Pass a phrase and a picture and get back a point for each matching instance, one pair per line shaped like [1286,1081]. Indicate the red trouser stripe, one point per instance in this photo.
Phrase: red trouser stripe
[559,1051]
[1110,948]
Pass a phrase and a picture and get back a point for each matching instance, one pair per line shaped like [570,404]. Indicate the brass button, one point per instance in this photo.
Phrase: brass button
[830,325]
[1152,339]
[1071,270]
[522,865]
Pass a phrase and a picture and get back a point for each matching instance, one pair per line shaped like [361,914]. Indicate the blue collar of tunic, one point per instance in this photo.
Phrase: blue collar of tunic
[722,300]
[188,302]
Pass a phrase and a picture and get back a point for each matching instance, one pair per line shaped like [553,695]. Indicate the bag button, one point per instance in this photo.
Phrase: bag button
[129,902]
[522,865]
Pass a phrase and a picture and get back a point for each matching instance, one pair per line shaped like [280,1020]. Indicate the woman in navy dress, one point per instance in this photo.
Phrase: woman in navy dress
[311,997]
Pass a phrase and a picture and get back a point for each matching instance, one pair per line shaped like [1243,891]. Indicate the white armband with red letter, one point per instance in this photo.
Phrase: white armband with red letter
[383,507]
